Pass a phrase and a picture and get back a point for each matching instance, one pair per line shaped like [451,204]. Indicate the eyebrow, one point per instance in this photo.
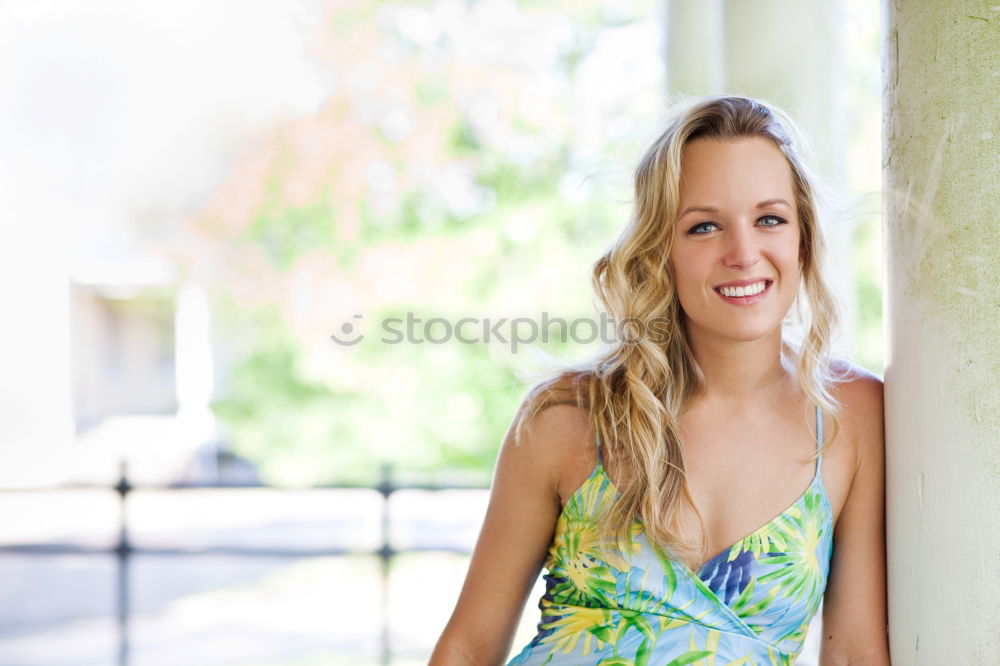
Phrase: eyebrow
[712,209]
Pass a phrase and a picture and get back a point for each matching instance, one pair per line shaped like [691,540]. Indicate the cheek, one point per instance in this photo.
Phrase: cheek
[691,274]
[791,255]
[687,281]
[795,282]
[690,263]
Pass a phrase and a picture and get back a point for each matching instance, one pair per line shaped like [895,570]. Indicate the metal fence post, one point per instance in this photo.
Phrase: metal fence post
[385,553]
[123,551]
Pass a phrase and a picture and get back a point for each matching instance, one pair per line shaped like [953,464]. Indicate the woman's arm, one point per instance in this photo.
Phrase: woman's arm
[854,608]
[517,530]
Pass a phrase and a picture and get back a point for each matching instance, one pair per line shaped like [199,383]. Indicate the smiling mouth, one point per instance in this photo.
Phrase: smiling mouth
[747,295]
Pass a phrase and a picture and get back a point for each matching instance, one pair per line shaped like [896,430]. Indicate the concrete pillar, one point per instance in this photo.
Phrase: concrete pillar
[941,63]
[195,376]
[694,46]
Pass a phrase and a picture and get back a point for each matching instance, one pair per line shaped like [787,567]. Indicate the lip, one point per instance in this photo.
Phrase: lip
[744,300]
[743,283]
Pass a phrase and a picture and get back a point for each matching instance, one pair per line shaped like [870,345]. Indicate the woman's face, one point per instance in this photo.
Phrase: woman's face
[737,232]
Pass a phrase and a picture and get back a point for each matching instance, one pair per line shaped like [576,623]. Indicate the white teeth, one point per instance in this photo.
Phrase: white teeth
[748,290]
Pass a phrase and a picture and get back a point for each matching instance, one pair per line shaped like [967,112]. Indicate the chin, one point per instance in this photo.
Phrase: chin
[748,336]
[747,333]
[732,335]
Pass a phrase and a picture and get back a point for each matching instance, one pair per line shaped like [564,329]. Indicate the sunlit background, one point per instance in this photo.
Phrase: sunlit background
[196,196]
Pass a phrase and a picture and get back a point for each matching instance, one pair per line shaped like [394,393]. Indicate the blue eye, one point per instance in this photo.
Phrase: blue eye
[693,230]
[779,221]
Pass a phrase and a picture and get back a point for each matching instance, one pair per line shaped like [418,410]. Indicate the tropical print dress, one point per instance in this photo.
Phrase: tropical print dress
[749,605]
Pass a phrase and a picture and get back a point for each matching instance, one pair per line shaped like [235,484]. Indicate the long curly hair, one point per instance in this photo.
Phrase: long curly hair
[636,390]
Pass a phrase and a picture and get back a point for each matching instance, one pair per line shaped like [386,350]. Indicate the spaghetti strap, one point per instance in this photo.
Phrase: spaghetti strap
[819,440]
[599,461]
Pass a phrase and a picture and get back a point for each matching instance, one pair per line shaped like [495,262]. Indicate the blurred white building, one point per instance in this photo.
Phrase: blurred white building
[100,155]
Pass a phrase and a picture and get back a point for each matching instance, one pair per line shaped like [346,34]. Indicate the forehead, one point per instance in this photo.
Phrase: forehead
[733,172]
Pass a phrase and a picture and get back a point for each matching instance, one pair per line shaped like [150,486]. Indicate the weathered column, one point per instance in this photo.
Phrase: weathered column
[941,63]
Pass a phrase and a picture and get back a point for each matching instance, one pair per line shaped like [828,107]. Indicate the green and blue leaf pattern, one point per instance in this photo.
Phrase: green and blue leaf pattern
[750,605]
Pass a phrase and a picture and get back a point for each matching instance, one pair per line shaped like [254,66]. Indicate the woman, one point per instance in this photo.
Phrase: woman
[661,484]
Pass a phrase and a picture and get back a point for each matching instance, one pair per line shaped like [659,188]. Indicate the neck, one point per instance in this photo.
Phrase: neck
[740,374]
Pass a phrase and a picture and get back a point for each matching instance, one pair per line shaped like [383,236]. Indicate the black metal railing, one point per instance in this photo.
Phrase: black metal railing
[124,550]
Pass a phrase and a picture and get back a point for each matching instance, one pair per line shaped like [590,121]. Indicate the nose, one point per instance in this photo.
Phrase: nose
[741,248]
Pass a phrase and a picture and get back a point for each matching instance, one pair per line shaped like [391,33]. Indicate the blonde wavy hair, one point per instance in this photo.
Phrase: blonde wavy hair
[636,390]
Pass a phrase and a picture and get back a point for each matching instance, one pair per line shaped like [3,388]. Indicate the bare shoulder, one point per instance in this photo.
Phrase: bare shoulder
[517,531]
[860,393]
[853,374]
[858,390]
[556,424]
[561,439]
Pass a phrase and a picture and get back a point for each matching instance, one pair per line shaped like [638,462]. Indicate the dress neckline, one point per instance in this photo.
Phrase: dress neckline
[817,479]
